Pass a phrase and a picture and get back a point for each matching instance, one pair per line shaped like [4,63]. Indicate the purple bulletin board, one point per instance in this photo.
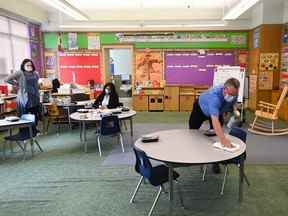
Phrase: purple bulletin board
[194,68]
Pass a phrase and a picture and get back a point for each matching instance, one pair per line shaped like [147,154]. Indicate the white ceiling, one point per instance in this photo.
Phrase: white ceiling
[128,12]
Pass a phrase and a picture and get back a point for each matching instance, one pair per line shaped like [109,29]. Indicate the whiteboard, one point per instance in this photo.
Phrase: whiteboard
[223,73]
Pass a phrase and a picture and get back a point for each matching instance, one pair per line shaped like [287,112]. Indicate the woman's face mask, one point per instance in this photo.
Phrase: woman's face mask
[107,91]
[28,67]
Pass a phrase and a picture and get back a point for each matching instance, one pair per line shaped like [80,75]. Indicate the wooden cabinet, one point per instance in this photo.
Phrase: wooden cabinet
[171,98]
[156,103]
[140,102]
[186,102]
[186,97]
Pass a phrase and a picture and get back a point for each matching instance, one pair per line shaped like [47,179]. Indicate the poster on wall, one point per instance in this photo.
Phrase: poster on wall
[269,61]
[243,58]
[256,38]
[284,65]
[195,68]
[50,62]
[72,41]
[148,69]
[265,80]
[93,41]
[79,68]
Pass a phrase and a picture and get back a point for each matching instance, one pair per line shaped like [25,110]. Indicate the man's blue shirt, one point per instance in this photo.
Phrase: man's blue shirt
[212,102]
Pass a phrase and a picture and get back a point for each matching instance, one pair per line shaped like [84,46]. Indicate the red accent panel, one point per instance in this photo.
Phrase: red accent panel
[79,67]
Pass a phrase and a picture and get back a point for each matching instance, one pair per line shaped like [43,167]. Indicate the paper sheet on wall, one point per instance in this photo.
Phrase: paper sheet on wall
[93,42]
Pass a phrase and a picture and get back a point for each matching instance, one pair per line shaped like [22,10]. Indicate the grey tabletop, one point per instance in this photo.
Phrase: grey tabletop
[187,146]
[5,123]
[95,114]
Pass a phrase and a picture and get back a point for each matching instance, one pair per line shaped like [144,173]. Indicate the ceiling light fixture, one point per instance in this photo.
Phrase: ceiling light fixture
[83,26]
[66,8]
[239,9]
[215,24]
[142,26]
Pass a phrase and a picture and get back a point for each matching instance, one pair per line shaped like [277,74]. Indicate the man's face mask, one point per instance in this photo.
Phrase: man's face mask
[228,98]
[229,94]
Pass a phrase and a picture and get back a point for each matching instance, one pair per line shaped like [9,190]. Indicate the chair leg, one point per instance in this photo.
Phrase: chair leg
[20,146]
[155,201]
[37,143]
[11,147]
[125,125]
[253,124]
[4,150]
[99,145]
[246,179]
[24,151]
[32,147]
[224,180]
[121,141]
[272,124]
[136,189]
[180,194]
[204,172]
[47,126]
[58,128]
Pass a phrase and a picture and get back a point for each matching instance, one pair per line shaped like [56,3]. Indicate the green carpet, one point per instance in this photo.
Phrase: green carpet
[64,181]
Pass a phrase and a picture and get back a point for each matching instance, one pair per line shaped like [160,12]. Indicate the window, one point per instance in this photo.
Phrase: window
[4,25]
[15,46]
[21,50]
[5,56]
[19,29]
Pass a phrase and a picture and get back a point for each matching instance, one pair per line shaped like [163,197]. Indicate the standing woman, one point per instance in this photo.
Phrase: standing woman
[26,83]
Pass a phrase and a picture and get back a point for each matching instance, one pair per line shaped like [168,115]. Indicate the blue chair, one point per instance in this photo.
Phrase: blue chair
[156,176]
[109,126]
[242,135]
[23,135]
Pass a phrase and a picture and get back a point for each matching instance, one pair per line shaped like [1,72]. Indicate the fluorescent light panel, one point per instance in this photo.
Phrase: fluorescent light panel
[185,25]
[146,4]
[64,7]
[127,26]
[239,9]
[83,26]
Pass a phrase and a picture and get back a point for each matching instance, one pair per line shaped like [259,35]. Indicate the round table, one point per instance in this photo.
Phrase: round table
[189,147]
[94,115]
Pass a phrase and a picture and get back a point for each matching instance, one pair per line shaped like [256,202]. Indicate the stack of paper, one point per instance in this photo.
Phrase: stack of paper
[235,147]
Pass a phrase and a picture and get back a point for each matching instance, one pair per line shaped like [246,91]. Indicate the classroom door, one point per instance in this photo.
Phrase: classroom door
[118,69]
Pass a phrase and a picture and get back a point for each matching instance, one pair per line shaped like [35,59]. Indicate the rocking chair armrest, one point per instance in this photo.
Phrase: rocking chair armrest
[265,105]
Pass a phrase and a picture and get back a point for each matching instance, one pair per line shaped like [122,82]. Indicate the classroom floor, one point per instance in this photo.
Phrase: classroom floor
[63,180]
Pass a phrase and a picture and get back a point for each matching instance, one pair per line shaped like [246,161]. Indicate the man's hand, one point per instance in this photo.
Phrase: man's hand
[226,143]
[236,113]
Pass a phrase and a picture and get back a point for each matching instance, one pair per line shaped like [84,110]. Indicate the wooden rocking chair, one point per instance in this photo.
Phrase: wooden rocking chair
[268,114]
